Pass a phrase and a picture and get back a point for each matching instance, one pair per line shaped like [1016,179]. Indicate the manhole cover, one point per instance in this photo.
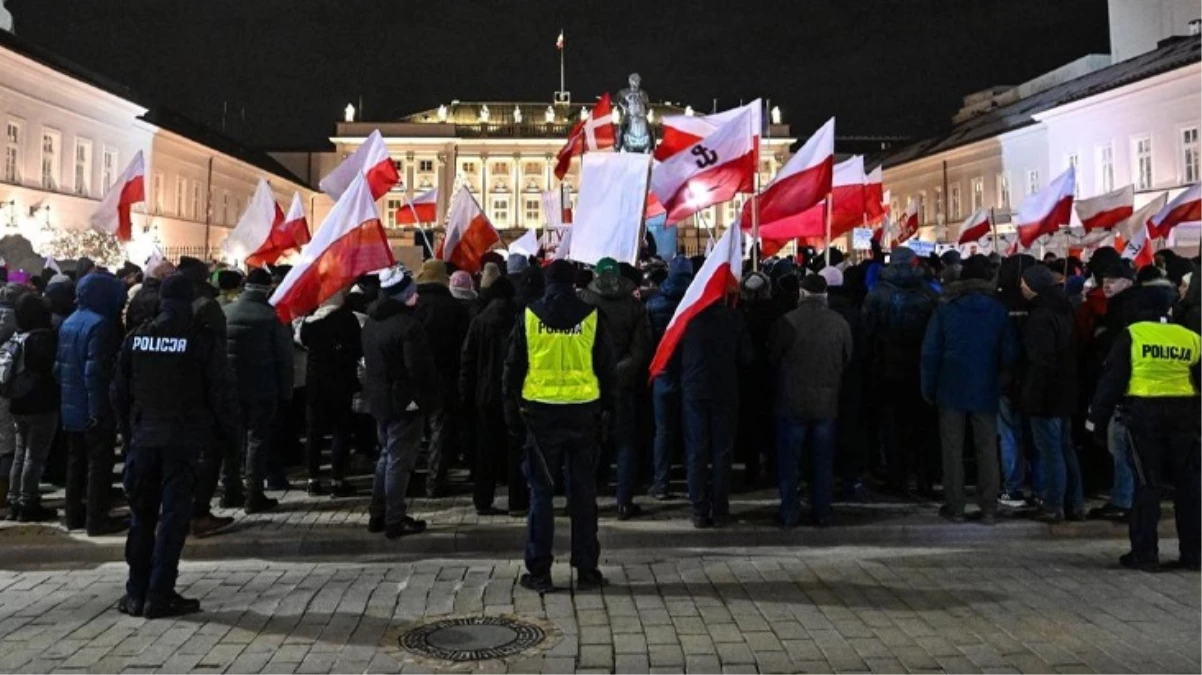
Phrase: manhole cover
[472,639]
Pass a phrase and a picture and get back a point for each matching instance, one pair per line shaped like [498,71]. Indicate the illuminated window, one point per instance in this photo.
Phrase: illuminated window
[1106,168]
[954,201]
[533,210]
[108,170]
[425,165]
[1143,163]
[1074,160]
[12,153]
[391,206]
[196,214]
[158,192]
[1032,181]
[181,192]
[1003,191]
[500,211]
[978,193]
[1189,155]
[51,142]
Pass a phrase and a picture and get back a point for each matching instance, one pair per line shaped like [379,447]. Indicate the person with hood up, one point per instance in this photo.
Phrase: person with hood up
[334,345]
[10,293]
[34,407]
[399,369]
[261,359]
[629,330]
[969,342]
[481,367]
[88,342]
[895,316]
[809,348]
[665,388]
[172,388]
[559,379]
[1048,393]
[446,322]
[756,423]
[60,293]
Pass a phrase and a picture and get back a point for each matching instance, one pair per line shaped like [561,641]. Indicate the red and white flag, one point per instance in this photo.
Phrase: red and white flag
[1127,230]
[804,181]
[1185,208]
[555,213]
[907,226]
[469,234]
[719,274]
[1105,211]
[258,239]
[874,196]
[370,160]
[295,222]
[350,243]
[847,207]
[711,171]
[421,209]
[596,132]
[975,226]
[1046,211]
[112,216]
[1139,249]
[683,131]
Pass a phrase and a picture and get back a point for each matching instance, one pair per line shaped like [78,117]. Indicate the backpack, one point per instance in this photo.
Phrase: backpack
[15,381]
[909,311]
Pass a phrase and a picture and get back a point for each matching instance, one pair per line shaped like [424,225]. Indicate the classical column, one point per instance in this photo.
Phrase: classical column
[410,175]
[485,202]
[519,212]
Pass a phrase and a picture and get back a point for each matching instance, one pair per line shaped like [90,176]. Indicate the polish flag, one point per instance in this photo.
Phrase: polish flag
[1105,211]
[112,216]
[908,225]
[1127,230]
[847,207]
[719,274]
[682,131]
[1046,211]
[1185,208]
[711,171]
[594,133]
[805,180]
[350,243]
[469,234]
[976,226]
[421,209]
[874,196]
[371,160]
[654,208]
[1139,249]
[295,223]
[258,239]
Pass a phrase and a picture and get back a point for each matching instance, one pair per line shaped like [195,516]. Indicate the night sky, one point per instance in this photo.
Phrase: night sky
[880,66]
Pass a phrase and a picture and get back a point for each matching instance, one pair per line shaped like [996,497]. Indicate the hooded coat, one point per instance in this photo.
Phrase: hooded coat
[969,342]
[334,345]
[260,348]
[446,321]
[87,348]
[399,374]
[38,353]
[895,315]
[627,324]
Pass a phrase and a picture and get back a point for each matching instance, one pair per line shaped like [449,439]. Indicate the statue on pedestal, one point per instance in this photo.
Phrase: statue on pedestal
[634,131]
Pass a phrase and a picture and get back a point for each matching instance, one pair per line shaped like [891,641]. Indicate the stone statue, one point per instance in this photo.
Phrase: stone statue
[634,132]
[6,19]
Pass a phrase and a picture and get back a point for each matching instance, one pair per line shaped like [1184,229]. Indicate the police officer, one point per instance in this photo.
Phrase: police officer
[558,378]
[171,389]
[1151,377]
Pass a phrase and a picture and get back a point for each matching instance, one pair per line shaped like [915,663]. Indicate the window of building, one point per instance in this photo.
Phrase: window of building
[108,170]
[1105,168]
[533,210]
[425,165]
[1143,163]
[1189,155]
[51,168]
[391,206]
[399,166]
[1003,191]
[181,196]
[939,212]
[158,193]
[500,169]
[12,152]
[83,166]
[953,201]
[532,169]
[469,167]
[1032,181]
[978,193]
[225,207]
[500,210]
[1074,160]
[196,213]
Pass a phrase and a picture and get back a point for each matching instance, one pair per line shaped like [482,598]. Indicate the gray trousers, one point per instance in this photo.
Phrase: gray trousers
[951,435]
[35,435]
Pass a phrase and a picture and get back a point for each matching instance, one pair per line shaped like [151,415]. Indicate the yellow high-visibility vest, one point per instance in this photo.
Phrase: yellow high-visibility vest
[1162,355]
[561,362]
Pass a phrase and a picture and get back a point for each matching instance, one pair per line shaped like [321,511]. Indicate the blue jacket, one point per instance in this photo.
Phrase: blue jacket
[969,341]
[660,309]
[88,342]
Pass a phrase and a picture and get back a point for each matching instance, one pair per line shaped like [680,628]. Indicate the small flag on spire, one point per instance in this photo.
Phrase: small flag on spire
[559,40]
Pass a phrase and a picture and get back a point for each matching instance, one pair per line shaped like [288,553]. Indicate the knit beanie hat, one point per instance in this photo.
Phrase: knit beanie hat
[398,283]
[433,271]
[1039,278]
[832,275]
[177,287]
[490,275]
[559,272]
[462,280]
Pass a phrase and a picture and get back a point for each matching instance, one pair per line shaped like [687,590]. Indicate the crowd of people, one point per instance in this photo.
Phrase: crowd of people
[889,373]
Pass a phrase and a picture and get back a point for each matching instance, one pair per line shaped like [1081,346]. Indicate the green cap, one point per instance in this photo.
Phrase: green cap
[606,266]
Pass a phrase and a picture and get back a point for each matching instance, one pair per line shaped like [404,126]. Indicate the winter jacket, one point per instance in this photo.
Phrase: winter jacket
[969,341]
[9,295]
[482,363]
[38,353]
[560,309]
[627,324]
[809,347]
[87,348]
[1176,413]
[61,295]
[446,321]
[166,396]
[662,305]
[260,348]
[714,348]
[1188,312]
[1048,383]
[851,394]
[144,305]
[895,316]
[335,344]
[399,374]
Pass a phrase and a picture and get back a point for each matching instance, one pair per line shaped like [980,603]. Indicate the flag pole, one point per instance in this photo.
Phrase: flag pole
[418,222]
[993,227]
[827,251]
[562,48]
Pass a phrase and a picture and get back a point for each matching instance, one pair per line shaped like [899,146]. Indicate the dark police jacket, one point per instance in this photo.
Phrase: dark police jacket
[173,382]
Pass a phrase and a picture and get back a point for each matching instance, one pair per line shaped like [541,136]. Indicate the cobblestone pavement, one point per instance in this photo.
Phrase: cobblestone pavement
[1009,606]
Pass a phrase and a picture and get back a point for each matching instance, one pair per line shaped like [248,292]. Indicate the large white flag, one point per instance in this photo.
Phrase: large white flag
[609,213]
